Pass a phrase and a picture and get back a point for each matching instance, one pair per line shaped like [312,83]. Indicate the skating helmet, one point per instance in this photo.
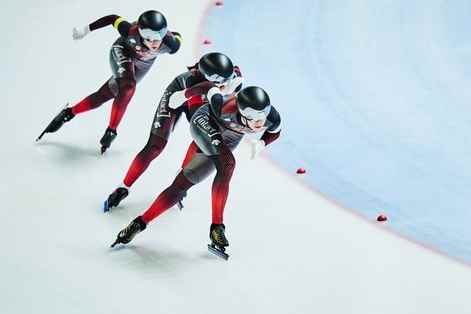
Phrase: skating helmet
[152,25]
[253,103]
[216,67]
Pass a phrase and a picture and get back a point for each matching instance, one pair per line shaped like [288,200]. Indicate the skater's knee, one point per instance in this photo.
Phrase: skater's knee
[229,164]
[127,84]
[156,149]
[127,87]
[97,100]
[225,163]
[156,143]
[153,148]
[182,183]
[101,96]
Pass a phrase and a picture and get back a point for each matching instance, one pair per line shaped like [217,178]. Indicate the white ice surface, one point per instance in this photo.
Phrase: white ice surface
[292,251]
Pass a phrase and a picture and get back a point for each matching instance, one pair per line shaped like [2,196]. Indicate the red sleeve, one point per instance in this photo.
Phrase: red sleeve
[198,89]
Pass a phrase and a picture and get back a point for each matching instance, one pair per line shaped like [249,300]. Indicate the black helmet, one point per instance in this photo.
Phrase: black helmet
[216,67]
[152,25]
[253,103]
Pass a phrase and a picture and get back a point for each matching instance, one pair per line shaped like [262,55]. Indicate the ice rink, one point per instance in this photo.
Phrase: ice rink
[378,91]
[296,245]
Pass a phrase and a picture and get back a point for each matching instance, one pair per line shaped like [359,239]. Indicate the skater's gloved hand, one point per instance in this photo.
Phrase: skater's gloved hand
[80,32]
[232,85]
[176,99]
[256,146]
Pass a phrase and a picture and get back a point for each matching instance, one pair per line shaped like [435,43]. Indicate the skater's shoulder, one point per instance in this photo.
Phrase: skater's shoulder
[230,104]
[122,25]
[237,71]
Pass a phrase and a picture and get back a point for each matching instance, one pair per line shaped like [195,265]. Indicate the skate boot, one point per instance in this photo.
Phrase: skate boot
[107,139]
[115,198]
[62,117]
[127,234]
[218,240]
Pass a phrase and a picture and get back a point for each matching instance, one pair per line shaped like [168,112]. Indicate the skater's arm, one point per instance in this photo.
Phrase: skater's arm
[117,21]
[189,81]
[178,84]
[216,96]
[271,134]
[274,130]
[269,137]
[197,87]
[216,100]
[173,41]
[196,84]
[238,73]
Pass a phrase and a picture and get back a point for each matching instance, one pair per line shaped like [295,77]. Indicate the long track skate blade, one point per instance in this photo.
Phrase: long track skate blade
[45,130]
[114,243]
[217,252]
[106,207]
[42,134]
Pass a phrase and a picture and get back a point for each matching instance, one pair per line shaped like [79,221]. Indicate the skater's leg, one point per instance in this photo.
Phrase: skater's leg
[94,100]
[123,86]
[217,148]
[160,132]
[123,83]
[208,137]
[127,87]
[168,198]
[155,145]
[192,150]
[161,128]
[196,170]
[90,102]
[225,164]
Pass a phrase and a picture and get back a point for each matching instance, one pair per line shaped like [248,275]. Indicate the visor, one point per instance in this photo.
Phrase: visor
[252,114]
[217,78]
[149,34]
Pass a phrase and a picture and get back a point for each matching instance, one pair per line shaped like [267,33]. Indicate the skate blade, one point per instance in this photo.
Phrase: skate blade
[40,136]
[103,149]
[106,207]
[115,243]
[45,130]
[216,251]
